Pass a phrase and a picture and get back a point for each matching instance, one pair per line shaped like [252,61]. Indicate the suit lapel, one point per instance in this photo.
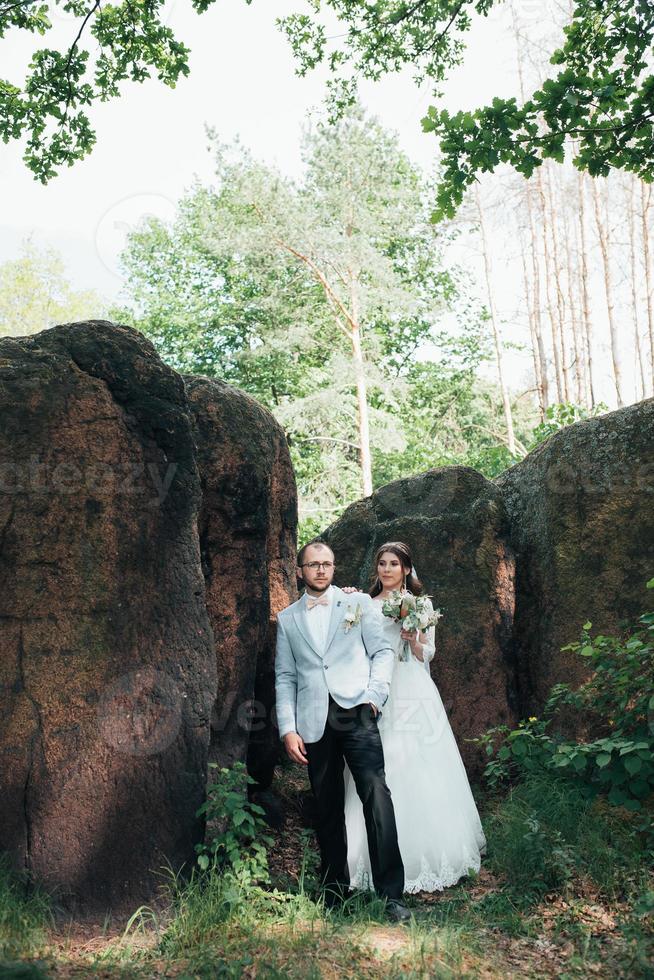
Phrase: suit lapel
[336,617]
[300,617]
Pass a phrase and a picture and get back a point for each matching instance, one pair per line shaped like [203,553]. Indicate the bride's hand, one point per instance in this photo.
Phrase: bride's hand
[411,637]
[350,588]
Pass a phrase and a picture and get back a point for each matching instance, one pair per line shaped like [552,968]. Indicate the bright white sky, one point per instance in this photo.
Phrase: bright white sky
[152,142]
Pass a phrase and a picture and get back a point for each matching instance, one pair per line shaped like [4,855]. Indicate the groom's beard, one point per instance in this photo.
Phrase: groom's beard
[318,587]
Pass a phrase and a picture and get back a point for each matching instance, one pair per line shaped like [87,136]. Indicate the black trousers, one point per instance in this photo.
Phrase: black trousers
[351,734]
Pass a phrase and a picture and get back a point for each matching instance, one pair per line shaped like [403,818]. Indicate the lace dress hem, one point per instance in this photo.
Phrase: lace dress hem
[428,880]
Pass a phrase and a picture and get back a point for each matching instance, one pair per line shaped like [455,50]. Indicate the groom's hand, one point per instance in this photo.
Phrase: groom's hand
[295,748]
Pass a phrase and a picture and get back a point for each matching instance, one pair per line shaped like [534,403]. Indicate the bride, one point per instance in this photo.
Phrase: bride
[438,827]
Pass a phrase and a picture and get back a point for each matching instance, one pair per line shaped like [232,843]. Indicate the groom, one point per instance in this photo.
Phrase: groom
[333,669]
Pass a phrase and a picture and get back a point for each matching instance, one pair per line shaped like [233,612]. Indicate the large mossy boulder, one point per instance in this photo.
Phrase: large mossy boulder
[107,662]
[122,487]
[581,510]
[248,528]
[455,523]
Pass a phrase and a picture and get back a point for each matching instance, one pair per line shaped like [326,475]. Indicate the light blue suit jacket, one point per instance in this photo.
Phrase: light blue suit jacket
[356,665]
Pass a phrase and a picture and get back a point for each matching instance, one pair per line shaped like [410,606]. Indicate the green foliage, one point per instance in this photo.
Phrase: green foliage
[617,703]
[601,101]
[124,41]
[547,832]
[202,905]
[560,415]
[240,843]
[381,38]
[636,926]
[230,290]
[35,294]
[25,914]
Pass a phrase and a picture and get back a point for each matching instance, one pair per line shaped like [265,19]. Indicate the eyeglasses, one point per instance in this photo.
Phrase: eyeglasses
[315,565]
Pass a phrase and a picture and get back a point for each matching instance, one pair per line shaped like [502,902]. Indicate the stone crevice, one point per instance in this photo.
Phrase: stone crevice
[7,526]
[36,738]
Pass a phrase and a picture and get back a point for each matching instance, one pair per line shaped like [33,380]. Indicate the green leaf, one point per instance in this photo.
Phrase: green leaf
[633,764]
[602,759]
[617,796]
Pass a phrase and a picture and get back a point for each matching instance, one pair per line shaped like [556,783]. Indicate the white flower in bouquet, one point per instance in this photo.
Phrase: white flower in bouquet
[412,611]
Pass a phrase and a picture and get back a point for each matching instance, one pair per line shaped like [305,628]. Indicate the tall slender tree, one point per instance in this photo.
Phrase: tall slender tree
[317,297]
[499,353]
[604,240]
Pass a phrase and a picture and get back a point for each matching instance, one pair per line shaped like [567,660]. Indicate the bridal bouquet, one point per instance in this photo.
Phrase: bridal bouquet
[412,611]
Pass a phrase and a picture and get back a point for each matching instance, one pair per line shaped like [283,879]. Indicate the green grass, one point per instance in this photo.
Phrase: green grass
[25,914]
[561,871]
[545,836]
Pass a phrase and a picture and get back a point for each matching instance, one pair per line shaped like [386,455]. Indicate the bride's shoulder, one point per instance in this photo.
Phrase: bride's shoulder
[363,599]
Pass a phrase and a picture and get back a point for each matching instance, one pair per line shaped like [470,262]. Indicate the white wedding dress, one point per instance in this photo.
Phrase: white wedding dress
[438,827]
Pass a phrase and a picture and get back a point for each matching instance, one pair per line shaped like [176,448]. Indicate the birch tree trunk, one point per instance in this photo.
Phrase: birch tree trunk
[558,275]
[537,313]
[585,294]
[506,401]
[645,201]
[536,322]
[550,299]
[531,316]
[572,305]
[362,391]
[640,365]
[603,235]
[348,321]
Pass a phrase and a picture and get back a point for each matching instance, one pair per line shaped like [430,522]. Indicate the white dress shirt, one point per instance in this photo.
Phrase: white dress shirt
[318,618]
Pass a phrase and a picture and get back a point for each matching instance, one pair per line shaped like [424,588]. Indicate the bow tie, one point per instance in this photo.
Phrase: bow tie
[322,601]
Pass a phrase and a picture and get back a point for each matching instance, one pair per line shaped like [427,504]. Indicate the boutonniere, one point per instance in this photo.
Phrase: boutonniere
[352,617]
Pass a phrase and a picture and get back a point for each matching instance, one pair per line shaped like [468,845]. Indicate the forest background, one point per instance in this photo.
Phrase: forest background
[383,342]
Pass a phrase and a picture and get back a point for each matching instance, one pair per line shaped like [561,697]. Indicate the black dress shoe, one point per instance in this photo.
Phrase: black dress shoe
[397,911]
[335,896]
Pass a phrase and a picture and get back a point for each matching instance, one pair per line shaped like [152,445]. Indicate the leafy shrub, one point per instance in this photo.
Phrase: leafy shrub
[25,914]
[546,832]
[561,415]
[618,698]
[241,841]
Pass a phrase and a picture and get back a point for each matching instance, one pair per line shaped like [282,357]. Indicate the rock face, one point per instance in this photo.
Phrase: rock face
[147,541]
[107,664]
[455,523]
[581,509]
[519,564]
[113,690]
[247,527]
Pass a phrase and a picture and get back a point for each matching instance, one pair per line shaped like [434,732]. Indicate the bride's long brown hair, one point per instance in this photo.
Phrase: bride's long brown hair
[403,552]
